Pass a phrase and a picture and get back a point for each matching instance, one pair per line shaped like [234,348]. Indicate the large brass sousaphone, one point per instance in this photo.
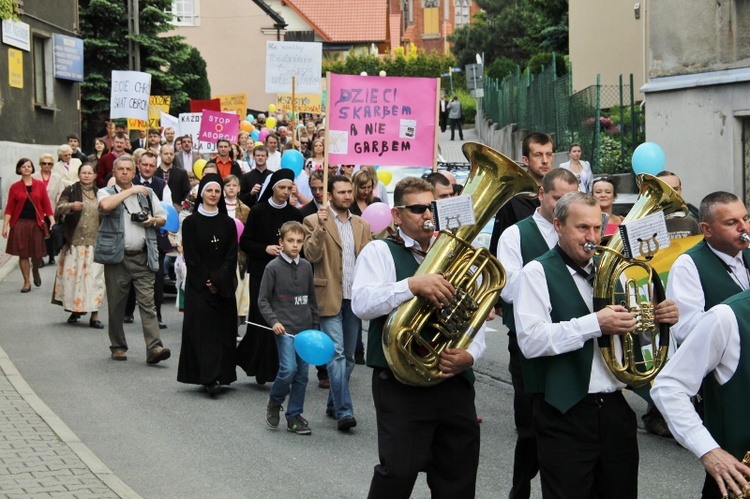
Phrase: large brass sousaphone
[416,332]
[630,368]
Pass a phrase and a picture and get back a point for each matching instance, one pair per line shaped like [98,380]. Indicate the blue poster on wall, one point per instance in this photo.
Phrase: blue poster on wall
[68,57]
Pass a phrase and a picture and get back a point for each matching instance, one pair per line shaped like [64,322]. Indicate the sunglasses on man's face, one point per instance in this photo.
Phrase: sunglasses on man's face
[417,209]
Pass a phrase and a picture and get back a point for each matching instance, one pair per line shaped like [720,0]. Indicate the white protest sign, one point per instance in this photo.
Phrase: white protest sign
[190,124]
[130,95]
[302,60]
[169,121]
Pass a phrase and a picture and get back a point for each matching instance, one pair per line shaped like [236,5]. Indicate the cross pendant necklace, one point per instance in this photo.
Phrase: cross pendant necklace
[215,240]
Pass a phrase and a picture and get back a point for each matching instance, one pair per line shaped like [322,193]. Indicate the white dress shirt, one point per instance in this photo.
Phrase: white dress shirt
[274,161]
[717,349]
[538,336]
[509,252]
[684,287]
[376,292]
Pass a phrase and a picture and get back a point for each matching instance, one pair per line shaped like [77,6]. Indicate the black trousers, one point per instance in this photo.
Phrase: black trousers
[158,291]
[591,451]
[525,464]
[456,123]
[434,430]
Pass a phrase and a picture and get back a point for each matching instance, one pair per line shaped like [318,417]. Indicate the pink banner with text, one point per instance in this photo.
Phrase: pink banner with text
[216,125]
[388,121]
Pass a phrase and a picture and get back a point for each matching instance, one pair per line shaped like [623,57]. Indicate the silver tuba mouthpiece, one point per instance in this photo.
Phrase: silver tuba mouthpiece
[745,237]
[428,226]
[589,247]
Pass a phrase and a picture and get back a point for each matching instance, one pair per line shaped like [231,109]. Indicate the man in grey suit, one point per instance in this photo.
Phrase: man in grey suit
[187,157]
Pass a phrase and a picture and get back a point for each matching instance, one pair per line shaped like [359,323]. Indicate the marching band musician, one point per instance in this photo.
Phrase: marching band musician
[431,429]
[715,354]
[714,269]
[585,430]
[518,245]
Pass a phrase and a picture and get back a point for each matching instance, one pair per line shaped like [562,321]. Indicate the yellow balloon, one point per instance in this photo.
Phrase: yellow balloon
[271,108]
[385,176]
[246,126]
[198,168]
[271,122]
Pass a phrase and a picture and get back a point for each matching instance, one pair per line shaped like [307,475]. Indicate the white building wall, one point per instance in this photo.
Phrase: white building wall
[700,130]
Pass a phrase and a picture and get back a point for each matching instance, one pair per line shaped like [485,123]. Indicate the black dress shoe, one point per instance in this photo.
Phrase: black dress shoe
[214,388]
[38,282]
[162,325]
[346,423]
[25,290]
[96,324]
[128,319]
[73,318]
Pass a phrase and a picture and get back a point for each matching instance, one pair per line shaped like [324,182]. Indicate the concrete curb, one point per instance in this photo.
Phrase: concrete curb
[64,433]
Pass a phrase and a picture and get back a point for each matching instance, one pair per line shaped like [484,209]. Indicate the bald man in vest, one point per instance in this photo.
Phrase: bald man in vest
[585,430]
[519,244]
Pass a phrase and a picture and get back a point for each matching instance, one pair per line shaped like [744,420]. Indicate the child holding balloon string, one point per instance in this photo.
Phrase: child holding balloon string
[287,303]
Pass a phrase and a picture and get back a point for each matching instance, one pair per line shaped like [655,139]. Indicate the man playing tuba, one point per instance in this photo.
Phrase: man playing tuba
[585,430]
[432,429]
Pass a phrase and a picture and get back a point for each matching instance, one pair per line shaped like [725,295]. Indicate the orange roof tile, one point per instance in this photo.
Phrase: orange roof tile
[344,20]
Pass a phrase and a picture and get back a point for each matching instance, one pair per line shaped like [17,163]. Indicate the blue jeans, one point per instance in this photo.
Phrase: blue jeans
[342,329]
[291,379]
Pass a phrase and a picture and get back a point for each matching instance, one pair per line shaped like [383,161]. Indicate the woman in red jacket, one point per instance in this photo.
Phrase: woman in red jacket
[28,204]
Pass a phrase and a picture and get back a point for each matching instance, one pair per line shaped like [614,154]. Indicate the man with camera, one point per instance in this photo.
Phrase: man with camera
[126,245]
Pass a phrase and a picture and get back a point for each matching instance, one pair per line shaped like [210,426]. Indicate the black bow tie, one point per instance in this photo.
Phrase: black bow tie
[146,182]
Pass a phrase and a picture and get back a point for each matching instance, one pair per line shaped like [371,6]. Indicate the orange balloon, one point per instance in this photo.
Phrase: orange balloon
[252,128]
[246,126]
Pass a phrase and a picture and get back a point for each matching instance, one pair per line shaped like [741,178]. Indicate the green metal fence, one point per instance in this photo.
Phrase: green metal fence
[604,119]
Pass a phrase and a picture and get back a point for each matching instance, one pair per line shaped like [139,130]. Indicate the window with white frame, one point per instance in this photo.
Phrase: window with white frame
[461,12]
[185,12]
[43,75]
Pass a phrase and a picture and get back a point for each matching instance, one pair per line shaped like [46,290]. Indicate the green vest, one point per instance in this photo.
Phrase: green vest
[533,245]
[406,266]
[563,379]
[716,282]
[728,405]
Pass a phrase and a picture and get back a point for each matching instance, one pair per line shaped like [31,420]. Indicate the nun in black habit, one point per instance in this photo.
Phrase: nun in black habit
[209,328]
[257,353]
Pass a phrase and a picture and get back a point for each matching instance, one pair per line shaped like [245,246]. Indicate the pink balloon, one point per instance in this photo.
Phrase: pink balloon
[240,228]
[263,134]
[378,215]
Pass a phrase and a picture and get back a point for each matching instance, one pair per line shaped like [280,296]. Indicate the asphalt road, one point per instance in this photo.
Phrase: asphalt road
[165,439]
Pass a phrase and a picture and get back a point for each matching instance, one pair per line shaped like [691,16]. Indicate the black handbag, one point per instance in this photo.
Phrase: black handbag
[57,233]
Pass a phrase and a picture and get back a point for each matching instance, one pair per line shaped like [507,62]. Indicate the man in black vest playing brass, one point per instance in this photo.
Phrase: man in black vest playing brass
[519,244]
[714,269]
[430,429]
[716,354]
[585,430]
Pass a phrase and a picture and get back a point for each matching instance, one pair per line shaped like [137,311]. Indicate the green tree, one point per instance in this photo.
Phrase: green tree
[8,9]
[104,26]
[513,29]
[198,88]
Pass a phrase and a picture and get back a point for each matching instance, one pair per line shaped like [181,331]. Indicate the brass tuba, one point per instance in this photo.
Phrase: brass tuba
[416,333]
[631,369]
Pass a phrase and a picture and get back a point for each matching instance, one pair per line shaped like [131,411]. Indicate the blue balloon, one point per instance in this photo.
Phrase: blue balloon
[173,219]
[293,160]
[255,134]
[250,118]
[315,347]
[648,158]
